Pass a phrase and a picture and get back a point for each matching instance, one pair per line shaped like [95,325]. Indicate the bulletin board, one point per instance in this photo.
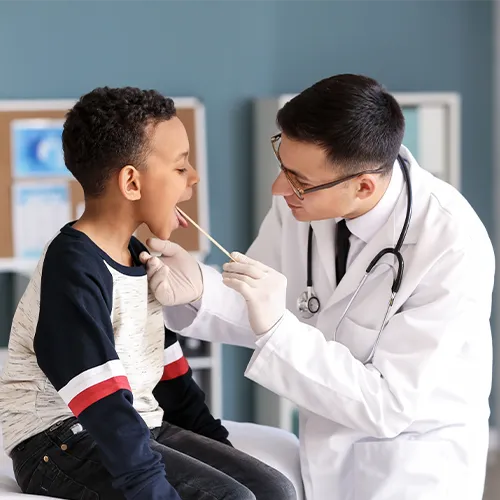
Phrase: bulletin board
[189,110]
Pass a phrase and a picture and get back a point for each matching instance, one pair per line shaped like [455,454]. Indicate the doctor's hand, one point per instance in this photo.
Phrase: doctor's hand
[263,288]
[175,277]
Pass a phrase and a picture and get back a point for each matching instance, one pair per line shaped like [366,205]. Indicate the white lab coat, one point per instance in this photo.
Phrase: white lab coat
[412,424]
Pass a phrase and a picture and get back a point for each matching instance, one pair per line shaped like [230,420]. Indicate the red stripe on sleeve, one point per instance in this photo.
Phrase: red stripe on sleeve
[96,392]
[175,369]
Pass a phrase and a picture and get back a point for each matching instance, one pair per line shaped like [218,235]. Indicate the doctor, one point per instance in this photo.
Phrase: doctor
[392,377]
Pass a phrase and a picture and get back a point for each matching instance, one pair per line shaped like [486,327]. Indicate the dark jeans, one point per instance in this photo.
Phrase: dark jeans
[62,464]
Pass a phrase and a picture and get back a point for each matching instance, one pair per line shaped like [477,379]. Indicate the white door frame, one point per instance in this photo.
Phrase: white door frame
[496,212]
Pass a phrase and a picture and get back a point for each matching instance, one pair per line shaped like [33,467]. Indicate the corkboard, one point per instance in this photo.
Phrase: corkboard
[189,238]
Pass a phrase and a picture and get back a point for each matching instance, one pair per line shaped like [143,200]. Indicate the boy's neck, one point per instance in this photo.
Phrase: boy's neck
[110,227]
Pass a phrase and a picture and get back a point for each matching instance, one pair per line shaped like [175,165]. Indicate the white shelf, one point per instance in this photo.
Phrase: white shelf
[200,362]
[20,266]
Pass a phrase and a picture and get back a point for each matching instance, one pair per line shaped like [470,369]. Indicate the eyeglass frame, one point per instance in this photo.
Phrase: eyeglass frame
[301,192]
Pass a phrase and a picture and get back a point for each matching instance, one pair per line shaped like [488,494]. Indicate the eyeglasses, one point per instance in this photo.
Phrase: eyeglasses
[297,187]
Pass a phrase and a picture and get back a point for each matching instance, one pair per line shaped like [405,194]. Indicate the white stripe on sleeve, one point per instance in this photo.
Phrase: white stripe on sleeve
[172,353]
[91,377]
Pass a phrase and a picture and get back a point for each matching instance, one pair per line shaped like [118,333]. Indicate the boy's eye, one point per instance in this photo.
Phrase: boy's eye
[182,170]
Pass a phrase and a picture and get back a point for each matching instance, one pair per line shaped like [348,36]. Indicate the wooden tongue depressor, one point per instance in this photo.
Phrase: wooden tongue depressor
[220,247]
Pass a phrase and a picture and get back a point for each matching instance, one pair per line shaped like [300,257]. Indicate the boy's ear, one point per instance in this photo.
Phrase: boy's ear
[129,183]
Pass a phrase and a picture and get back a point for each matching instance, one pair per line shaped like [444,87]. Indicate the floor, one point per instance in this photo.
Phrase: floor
[492,489]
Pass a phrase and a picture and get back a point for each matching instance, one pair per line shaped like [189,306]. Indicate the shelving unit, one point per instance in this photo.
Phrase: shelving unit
[433,137]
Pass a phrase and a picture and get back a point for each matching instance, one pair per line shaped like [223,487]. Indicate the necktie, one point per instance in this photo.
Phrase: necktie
[341,249]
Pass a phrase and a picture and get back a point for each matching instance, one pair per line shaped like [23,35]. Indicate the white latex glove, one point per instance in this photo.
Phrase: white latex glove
[263,288]
[175,277]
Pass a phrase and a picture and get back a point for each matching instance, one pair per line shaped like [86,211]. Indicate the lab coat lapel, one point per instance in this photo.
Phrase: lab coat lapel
[386,237]
[389,233]
[324,249]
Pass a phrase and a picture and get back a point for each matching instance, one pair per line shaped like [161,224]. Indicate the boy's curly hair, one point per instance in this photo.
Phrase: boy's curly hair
[107,129]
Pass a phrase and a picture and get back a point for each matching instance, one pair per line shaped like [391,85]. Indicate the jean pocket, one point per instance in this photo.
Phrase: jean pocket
[25,459]
[79,446]
[49,480]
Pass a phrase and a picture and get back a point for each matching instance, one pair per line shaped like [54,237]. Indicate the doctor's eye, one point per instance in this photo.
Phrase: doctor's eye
[304,185]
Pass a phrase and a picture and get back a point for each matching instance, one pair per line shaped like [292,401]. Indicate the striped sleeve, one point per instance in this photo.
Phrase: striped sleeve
[175,364]
[181,399]
[74,347]
[93,385]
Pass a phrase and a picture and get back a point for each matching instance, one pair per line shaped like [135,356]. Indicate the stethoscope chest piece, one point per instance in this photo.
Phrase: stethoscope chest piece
[308,304]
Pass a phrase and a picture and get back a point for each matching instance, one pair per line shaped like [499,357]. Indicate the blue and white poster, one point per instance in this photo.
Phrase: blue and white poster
[36,146]
[39,210]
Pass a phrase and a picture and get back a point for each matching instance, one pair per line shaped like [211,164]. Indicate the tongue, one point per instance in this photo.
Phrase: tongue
[181,219]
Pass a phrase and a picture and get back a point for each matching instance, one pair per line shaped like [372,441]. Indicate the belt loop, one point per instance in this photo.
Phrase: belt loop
[61,431]
[56,425]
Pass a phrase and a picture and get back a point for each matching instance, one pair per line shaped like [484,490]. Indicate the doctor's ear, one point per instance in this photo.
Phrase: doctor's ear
[366,186]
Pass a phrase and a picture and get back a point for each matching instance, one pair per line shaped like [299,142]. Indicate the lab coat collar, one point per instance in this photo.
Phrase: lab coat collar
[363,227]
[386,235]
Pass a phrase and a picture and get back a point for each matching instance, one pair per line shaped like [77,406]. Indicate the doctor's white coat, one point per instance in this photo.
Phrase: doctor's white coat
[413,423]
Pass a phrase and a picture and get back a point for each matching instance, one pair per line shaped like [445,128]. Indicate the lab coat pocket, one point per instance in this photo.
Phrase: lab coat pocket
[403,470]
[358,339]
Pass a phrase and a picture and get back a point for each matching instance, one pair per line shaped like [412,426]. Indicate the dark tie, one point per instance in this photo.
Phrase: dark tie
[341,249]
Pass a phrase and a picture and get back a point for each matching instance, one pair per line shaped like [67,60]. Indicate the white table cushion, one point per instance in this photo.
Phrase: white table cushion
[275,447]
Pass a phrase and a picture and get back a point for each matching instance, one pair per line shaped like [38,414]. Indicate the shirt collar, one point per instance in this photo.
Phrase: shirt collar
[365,226]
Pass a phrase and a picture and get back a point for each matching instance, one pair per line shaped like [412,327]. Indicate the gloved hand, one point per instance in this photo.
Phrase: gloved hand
[263,288]
[175,277]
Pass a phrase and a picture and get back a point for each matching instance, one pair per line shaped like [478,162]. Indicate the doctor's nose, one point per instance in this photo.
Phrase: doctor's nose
[281,186]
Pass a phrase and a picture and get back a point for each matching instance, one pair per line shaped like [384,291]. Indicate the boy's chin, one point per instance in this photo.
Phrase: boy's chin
[164,234]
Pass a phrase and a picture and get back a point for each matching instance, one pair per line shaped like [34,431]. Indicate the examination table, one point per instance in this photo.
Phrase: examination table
[275,447]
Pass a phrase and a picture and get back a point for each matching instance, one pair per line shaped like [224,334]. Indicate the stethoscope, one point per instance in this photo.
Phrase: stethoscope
[308,303]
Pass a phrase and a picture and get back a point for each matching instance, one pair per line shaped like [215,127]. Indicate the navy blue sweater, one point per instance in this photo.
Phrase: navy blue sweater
[98,339]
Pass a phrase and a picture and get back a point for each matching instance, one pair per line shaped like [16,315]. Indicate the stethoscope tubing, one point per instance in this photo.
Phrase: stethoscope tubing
[395,251]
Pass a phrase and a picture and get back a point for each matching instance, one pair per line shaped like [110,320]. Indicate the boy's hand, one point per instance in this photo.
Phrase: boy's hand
[175,277]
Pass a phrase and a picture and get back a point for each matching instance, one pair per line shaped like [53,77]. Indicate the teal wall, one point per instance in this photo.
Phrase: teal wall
[230,51]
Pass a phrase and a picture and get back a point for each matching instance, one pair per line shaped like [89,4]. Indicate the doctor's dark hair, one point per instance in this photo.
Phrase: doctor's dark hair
[353,118]
[109,128]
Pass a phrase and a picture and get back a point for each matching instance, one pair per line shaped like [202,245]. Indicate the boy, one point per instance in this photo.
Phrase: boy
[96,398]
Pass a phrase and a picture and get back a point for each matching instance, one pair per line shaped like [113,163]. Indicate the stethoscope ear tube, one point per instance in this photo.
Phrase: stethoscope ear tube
[399,275]
[309,257]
